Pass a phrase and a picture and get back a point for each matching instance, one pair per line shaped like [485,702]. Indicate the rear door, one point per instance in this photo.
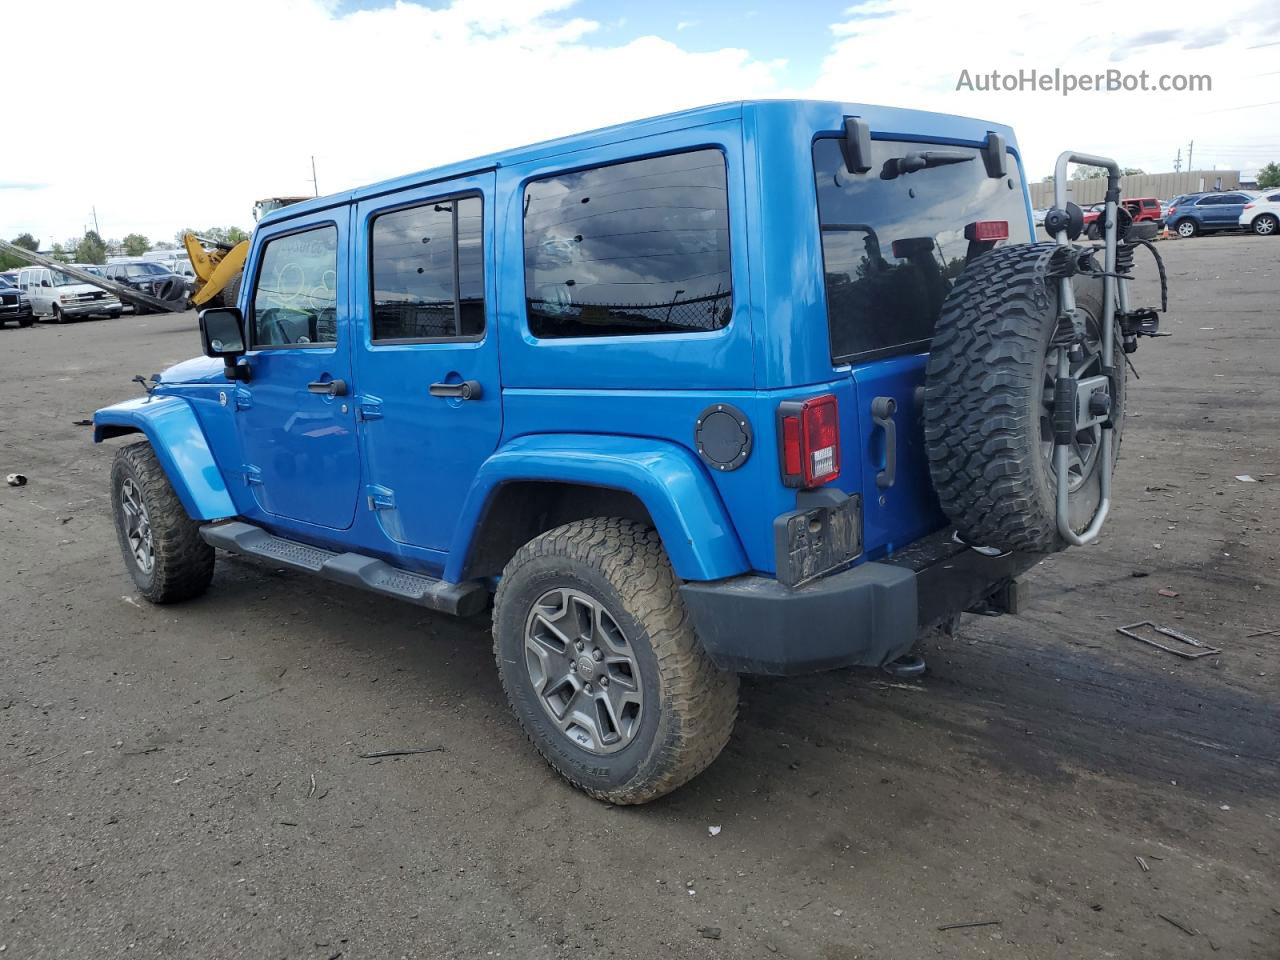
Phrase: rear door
[431,410]
[893,244]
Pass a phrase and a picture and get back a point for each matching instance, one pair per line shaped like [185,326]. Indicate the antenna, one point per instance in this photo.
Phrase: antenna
[314,185]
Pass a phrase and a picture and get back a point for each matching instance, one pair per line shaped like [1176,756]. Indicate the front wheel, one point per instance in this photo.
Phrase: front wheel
[601,666]
[58,315]
[1186,229]
[27,321]
[1265,224]
[160,542]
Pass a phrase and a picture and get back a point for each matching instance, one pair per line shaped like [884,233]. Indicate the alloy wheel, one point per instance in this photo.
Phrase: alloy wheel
[583,670]
[137,526]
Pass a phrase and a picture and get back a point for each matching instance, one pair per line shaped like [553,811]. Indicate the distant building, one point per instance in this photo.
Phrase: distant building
[1164,186]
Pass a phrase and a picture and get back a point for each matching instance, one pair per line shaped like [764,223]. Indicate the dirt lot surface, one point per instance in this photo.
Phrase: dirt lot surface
[184,781]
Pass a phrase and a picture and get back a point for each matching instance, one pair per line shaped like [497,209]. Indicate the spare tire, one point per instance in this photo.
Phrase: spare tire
[988,402]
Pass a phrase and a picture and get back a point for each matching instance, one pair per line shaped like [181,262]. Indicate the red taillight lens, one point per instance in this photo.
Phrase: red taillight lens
[1172,211]
[809,432]
[1248,206]
[985,230]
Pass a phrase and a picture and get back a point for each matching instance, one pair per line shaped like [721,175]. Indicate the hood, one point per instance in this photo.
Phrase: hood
[195,370]
[76,289]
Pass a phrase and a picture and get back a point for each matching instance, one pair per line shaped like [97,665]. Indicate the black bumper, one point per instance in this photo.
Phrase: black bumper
[864,616]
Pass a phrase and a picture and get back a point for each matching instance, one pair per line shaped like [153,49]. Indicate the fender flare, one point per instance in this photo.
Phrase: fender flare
[180,445]
[685,506]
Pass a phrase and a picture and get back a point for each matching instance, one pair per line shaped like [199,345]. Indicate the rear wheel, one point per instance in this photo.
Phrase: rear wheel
[1266,224]
[1186,229]
[600,664]
[160,542]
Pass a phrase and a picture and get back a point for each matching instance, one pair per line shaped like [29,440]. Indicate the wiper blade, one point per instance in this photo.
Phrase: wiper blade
[896,167]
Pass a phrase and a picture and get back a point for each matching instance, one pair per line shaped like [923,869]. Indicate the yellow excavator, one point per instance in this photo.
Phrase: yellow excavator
[219,266]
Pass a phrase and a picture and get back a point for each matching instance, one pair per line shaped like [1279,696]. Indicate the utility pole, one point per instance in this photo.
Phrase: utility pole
[95,221]
[1190,148]
[315,185]
[1177,162]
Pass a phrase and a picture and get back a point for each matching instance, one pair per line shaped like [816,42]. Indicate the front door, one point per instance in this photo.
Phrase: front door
[431,404]
[295,415]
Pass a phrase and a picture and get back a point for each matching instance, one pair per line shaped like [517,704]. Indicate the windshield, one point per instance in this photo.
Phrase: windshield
[60,279]
[893,240]
[143,269]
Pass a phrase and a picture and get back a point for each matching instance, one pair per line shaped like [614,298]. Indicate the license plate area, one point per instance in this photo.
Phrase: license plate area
[822,536]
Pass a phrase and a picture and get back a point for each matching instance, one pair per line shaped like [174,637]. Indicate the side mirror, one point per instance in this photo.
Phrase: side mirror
[222,335]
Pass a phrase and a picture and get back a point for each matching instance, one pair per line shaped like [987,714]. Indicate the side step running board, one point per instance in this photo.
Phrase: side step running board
[353,569]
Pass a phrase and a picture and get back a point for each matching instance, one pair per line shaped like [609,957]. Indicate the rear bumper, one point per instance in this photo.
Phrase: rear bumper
[864,616]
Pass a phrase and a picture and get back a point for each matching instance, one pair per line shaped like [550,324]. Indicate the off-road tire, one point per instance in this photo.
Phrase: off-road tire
[983,393]
[1266,224]
[183,563]
[691,705]
[229,295]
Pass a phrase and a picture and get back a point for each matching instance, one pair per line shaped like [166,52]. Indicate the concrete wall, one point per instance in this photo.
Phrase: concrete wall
[1163,185]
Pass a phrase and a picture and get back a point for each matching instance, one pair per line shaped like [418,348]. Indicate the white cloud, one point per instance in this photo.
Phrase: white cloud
[199,110]
[910,53]
[203,110]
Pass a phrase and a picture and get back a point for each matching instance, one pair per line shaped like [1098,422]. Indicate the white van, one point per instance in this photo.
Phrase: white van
[54,294]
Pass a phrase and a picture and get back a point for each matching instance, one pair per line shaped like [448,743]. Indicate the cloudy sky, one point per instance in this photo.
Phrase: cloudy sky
[169,113]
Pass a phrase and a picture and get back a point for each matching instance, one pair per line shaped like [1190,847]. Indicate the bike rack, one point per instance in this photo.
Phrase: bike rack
[1111,293]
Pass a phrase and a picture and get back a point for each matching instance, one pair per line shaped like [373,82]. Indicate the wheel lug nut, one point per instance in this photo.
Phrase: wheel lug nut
[586,687]
[580,645]
[574,666]
[597,655]
[604,681]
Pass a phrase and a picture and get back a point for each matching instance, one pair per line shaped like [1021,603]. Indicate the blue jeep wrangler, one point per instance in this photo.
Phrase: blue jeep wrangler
[754,388]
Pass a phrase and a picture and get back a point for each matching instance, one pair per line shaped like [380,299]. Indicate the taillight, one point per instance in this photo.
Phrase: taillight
[1248,205]
[809,432]
[1172,211]
[983,230]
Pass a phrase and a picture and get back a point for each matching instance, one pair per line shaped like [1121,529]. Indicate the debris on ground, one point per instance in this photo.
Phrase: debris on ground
[1245,478]
[1166,592]
[1143,864]
[714,830]
[1187,930]
[1202,649]
[16,480]
[969,923]
[408,751]
[711,933]
[82,423]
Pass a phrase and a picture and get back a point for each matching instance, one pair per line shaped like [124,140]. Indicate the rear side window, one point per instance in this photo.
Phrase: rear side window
[427,272]
[631,248]
[295,300]
[893,242]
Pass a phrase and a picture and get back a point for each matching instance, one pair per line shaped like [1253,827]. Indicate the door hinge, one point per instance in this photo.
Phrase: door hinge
[369,408]
[252,475]
[244,399]
[379,497]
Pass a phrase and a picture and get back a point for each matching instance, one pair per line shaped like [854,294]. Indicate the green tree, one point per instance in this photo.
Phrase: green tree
[60,253]
[9,260]
[1269,176]
[232,235]
[91,249]
[135,244]
[1097,173]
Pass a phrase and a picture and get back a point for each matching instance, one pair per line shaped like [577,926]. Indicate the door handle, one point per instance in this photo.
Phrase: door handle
[330,388]
[882,411]
[466,390]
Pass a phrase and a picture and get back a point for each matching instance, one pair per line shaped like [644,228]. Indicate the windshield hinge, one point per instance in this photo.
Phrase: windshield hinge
[856,145]
[994,156]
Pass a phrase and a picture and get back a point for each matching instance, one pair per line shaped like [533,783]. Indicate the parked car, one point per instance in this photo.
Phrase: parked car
[674,427]
[14,304]
[148,277]
[1262,214]
[1141,209]
[59,297]
[1207,212]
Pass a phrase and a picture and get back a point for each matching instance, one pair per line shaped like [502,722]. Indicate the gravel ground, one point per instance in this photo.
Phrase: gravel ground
[184,781]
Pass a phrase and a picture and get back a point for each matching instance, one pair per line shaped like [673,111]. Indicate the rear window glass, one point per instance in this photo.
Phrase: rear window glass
[893,242]
[631,248]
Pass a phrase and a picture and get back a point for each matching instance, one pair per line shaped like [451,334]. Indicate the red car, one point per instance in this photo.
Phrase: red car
[1140,208]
